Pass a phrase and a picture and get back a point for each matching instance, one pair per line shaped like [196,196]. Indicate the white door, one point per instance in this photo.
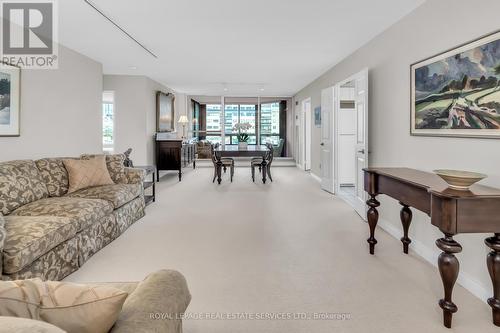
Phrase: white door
[361,96]
[326,149]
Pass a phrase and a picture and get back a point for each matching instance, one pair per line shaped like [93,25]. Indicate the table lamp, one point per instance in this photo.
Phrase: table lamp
[183,120]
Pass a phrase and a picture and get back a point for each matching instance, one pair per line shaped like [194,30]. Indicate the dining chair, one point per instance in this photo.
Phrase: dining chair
[258,161]
[269,161]
[226,162]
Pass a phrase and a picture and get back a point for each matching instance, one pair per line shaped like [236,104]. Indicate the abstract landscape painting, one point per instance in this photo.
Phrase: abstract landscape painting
[457,93]
[9,99]
[4,99]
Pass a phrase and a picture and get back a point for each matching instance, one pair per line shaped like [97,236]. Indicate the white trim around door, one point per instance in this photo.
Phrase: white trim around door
[357,198]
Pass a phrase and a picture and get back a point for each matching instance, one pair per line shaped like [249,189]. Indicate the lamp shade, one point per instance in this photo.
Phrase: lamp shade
[183,120]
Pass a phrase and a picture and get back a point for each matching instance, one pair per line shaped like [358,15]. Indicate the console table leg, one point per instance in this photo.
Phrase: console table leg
[406,216]
[372,216]
[493,261]
[448,268]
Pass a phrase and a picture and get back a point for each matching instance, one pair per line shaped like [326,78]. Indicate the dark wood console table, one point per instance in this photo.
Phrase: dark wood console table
[452,211]
[174,154]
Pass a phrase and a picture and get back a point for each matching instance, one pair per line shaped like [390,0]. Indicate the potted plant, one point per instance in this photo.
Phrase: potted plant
[242,136]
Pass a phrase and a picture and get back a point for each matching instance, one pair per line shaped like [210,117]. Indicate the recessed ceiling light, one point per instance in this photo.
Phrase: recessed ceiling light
[225,89]
[132,67]
[261,89]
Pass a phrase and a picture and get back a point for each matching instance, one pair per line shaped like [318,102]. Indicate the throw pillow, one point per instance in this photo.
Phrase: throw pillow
[54,175]
[87,173]
[72,307]
[115,165]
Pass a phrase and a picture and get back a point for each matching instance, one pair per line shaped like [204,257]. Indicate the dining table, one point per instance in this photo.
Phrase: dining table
[237,151]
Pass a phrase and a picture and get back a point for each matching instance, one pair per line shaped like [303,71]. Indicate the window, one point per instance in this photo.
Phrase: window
[108,113]
[270,123]
[214,129]
[239,113]
[212,120]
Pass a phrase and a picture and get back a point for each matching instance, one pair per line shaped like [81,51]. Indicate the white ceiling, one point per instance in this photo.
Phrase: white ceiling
[230,47]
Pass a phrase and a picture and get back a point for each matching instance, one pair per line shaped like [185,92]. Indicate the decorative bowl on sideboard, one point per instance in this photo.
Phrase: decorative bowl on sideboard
[459,180]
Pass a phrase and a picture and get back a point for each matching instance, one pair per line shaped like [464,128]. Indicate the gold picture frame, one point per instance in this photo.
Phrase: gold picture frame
[165,112]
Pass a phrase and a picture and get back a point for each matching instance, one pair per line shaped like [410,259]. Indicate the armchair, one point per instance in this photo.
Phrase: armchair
[278,149]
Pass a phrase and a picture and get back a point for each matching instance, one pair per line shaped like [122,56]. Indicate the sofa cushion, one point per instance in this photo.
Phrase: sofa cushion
[54,265]
[54,175]
[116,194]
[115,166]
[30,237]
[82,211]
[95,237]
[20,184]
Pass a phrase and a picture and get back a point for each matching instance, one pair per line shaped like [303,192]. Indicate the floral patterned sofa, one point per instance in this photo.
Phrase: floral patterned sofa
[47,233]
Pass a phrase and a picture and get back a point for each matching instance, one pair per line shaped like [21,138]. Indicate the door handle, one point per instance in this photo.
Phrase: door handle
[322,144]
[361,151]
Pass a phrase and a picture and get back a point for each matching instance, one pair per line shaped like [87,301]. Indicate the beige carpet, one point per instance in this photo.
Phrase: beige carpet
[285,247]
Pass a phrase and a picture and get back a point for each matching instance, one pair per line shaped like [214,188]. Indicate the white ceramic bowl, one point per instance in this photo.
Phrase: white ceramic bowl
[460,180]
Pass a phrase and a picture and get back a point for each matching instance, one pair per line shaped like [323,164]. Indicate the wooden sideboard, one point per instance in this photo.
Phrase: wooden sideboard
[174,154]
[452,211]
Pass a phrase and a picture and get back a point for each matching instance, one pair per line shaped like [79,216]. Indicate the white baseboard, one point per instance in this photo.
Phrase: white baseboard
[315,177]
[431,256]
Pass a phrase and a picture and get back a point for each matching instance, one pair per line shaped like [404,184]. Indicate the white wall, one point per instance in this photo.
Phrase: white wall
[423,33]
[135,114]
[60,110]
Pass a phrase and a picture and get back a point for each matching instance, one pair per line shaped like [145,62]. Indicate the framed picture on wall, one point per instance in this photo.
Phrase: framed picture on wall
[457,93]
[10,86]
[317,116]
